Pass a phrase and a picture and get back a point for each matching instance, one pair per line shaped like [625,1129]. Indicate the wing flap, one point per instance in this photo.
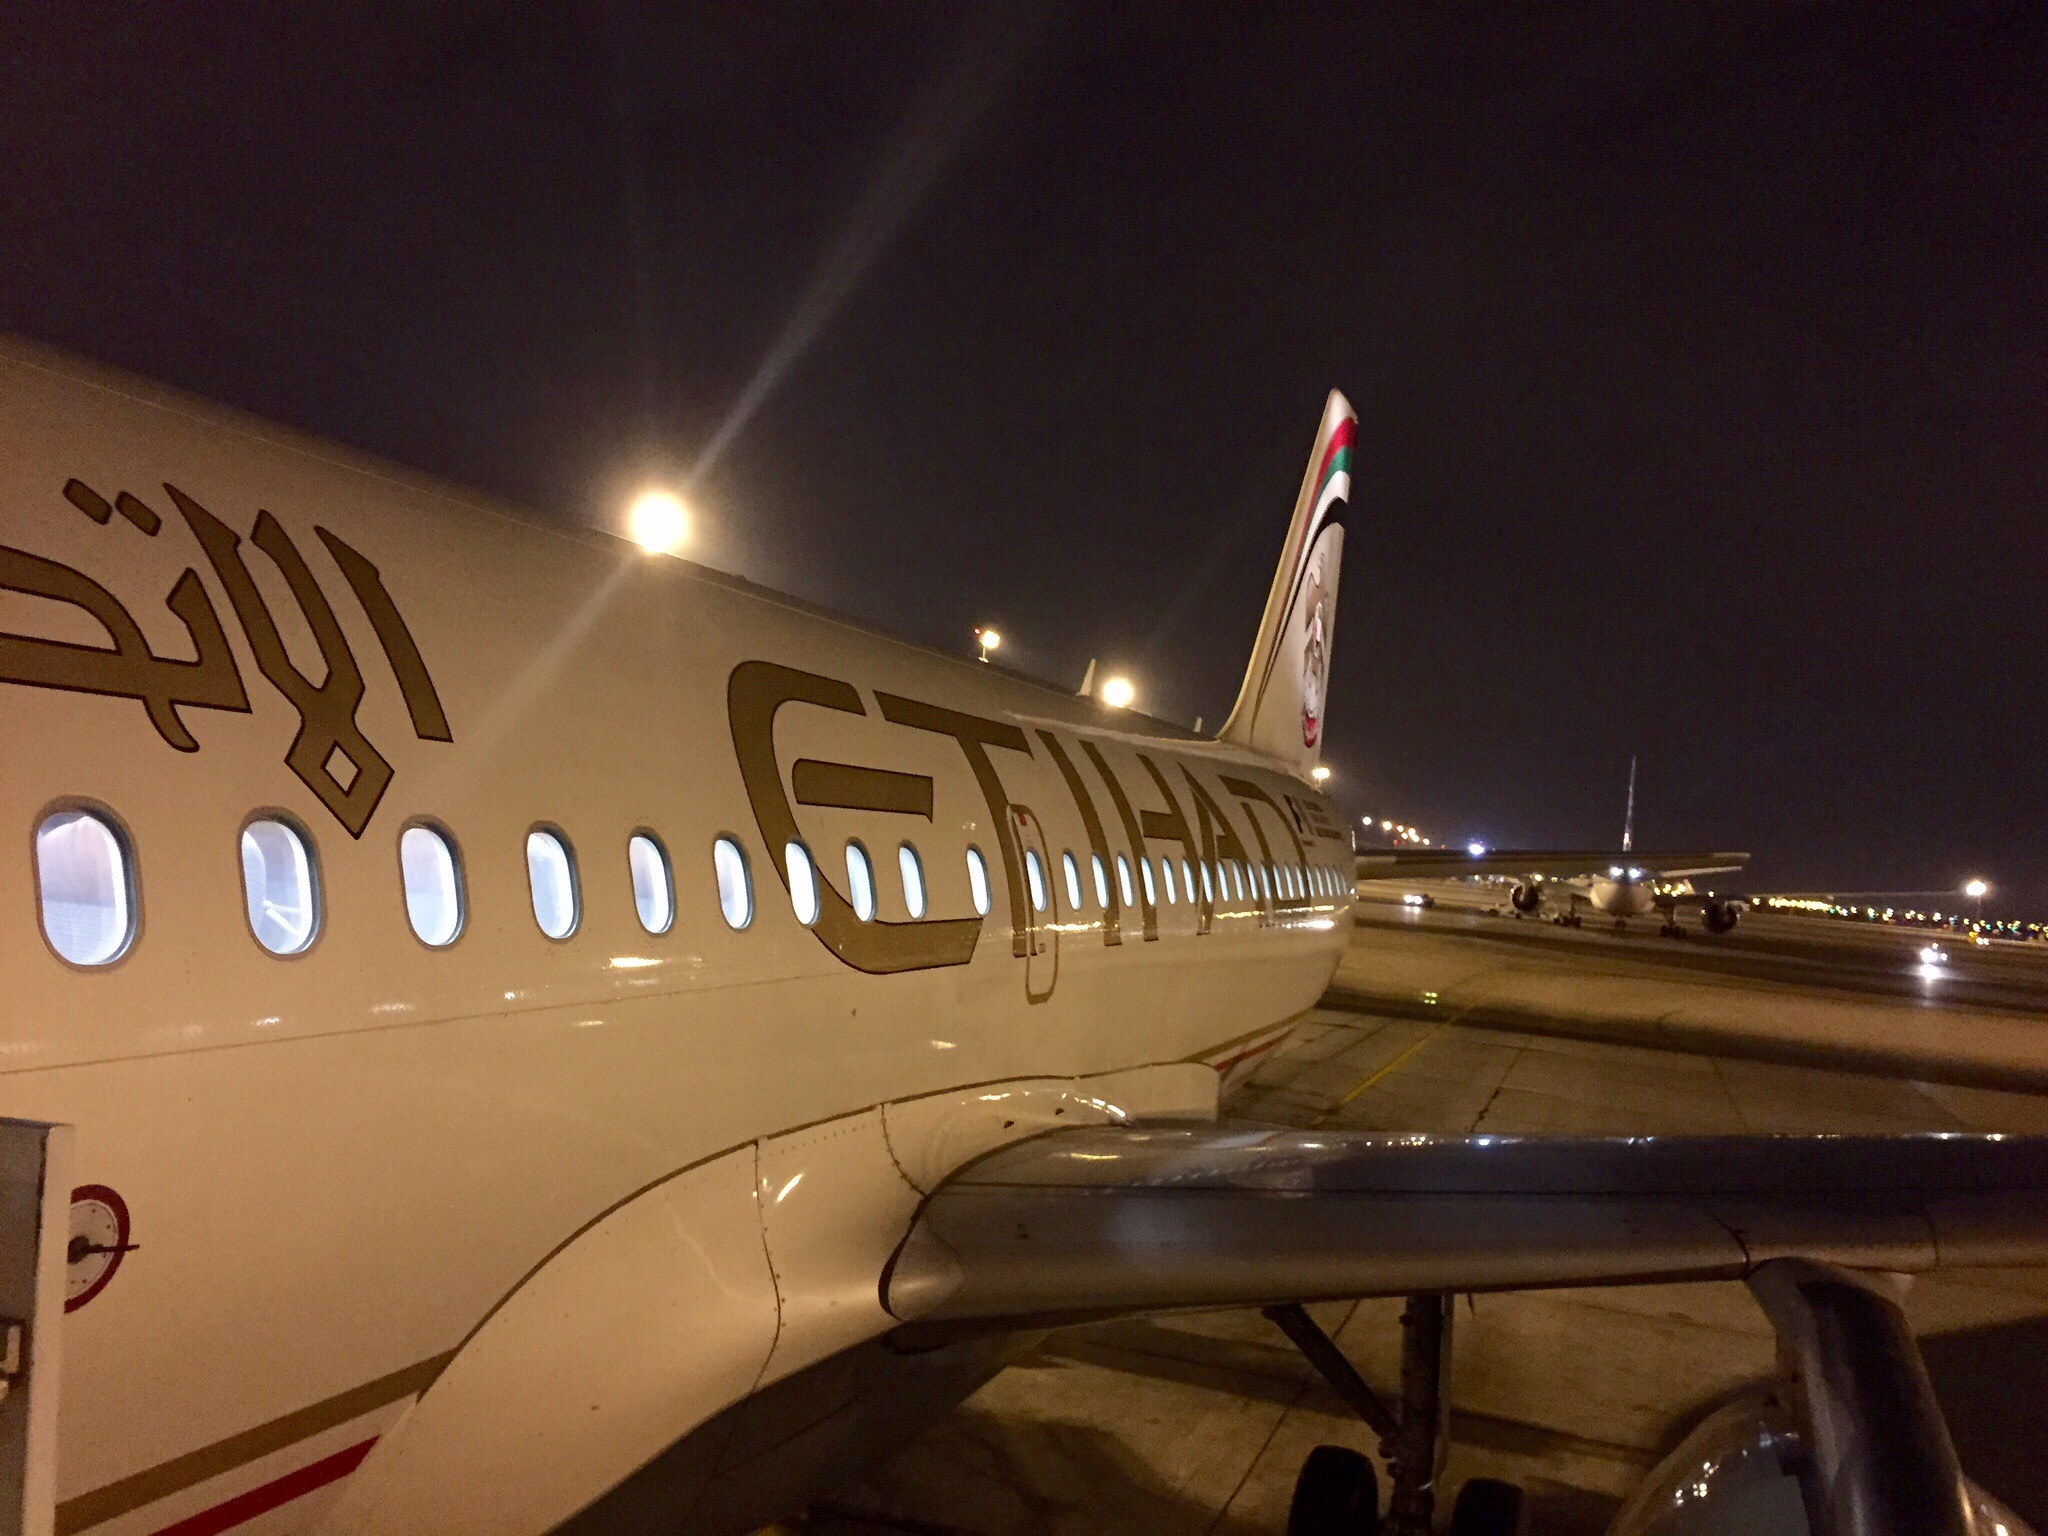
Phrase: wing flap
[1111,1221]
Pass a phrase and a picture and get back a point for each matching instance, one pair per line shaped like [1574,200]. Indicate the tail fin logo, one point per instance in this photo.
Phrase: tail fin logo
[1315,653]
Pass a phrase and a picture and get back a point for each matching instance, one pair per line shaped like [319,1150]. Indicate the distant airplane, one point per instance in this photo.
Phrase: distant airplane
[1616,883]
[558,1039]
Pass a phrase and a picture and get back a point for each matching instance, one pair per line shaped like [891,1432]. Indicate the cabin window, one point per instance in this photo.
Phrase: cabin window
[279,885]
[735,884]
[977,880]
[1034,871]
[803,882]
[1208,890]
[551,877]
[1187,878]
[87,887]
[1172,889]
[654,883]
[1101,882]
[1145,874]
[1073,874]
[433,884]
[911,868]
[1123,880]
[860,881]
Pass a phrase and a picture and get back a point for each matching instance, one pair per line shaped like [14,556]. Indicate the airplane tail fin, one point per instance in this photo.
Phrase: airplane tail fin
[1280,708]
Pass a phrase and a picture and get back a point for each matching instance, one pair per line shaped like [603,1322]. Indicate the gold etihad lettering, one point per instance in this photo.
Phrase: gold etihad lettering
[755,692]
[1147,912]
[975,736]
[1170,826]
[1219,839]
[164,685]
[1098,845]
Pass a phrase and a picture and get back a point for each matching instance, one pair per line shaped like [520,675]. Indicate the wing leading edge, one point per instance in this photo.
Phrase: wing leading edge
[1110,1221]
[1413,863]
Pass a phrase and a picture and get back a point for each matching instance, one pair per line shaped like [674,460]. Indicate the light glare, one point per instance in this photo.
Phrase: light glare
[1118,693]
[658,522]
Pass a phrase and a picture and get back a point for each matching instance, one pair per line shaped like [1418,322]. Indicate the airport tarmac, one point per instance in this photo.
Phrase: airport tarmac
[1454,1020]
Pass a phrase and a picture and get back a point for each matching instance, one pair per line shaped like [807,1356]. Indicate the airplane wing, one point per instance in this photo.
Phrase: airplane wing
[1448,863]
[1090,1223]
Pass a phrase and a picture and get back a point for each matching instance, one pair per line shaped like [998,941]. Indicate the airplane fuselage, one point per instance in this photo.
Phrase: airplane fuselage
[459,1236]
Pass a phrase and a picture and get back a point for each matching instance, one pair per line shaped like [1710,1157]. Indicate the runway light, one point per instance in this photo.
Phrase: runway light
[1976,890]
[1320,774]
[1475,849]
[1386,826]
[658,521]
[1118,693]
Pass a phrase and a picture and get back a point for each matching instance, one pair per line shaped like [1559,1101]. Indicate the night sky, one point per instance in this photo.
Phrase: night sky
[1699,352]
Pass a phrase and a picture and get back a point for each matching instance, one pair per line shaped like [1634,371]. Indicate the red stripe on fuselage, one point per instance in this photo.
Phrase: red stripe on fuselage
[262,1500]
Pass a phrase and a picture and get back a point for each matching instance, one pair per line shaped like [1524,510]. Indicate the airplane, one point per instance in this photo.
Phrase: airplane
[1620,884]
[561,1039]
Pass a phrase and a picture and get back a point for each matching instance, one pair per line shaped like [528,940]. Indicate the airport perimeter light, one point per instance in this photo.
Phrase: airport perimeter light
[1977,889]
[1320,773]
[1117,692]
[658,521]
[987,639]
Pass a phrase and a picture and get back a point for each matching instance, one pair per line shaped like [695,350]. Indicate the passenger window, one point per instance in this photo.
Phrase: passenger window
[735,884]
[1233,876]
[911,868]
[1166,869]
[1187,878]
[433,885]
[1035,872]
[1145,874]
[87,887]
[279,885]
[1073,873]
[860,881]
[1101,882]
[654,883]
[977,880]
[803,882]
[1123,880]
[551,876]
[1208,890]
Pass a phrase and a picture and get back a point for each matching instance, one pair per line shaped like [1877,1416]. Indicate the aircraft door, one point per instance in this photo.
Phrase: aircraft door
[1041,905]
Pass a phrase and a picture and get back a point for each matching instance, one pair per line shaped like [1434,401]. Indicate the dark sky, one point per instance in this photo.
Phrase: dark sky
[1699,352]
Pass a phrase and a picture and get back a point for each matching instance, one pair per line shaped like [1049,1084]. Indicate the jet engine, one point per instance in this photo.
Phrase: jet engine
[1527,896]
[1720,916]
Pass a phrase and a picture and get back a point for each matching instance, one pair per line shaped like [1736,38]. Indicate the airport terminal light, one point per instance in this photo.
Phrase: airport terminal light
[1320,773]
[1117,692]
[658,521]
[987,639]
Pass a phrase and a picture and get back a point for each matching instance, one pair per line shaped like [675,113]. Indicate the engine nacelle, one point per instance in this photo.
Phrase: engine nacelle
[1720,916]
[1526,897]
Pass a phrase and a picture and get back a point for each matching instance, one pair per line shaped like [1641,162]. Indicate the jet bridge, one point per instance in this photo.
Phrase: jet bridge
[35,1198]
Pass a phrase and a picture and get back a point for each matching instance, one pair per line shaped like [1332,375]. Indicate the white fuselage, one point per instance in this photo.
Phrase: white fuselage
[1620,897]
[457,1239]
